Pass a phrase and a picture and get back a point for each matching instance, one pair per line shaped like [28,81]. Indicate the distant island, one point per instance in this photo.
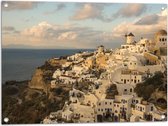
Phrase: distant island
[126,84]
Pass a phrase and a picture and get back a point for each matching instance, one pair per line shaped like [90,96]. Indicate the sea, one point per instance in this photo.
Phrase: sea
[20,64]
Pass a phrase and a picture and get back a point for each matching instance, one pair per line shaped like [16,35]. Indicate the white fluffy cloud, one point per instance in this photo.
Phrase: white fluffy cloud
[145,26]
[90,11]
[53,35]
[87,11]
[45,31]
[67,36]
[37,31]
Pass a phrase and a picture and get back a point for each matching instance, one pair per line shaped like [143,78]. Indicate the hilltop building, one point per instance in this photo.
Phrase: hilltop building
[130,38]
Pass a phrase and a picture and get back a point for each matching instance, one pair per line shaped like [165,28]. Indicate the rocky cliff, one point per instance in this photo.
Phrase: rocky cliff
[37,81]
[43,74]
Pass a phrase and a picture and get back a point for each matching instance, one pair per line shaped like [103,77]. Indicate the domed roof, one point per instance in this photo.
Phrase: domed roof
[161,32]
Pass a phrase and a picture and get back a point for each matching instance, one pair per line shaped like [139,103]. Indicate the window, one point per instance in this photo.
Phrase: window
[162,39]
[105,103]
[138,80]
[102,110]
[165,39]
[151,108]
[130,63]
[140,108]
[124,81]
[115,111]
[131,90]
[114,105]
[135,63]
[121,79]
[125,89]
[110,103]
[98,109]
[99,103]
[128,80]
[131,79]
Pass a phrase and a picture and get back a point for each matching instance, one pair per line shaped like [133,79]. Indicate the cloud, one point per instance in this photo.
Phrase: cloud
[90,11]
[131,10]
[153,19]
[148,20]
[8,28]
[53,36]
[67,36]
[38,31]
[59,7]
[18,5]
[143,27]
[70,35]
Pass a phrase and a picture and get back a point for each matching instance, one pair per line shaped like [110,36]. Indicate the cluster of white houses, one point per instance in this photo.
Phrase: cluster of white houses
[124,67]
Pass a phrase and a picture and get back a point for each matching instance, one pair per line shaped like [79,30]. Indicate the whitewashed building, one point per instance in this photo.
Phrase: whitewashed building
[131,76]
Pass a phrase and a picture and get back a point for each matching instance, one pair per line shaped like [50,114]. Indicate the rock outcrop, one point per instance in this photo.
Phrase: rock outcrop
[37,81]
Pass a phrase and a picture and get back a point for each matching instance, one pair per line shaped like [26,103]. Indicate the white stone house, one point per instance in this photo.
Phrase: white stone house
[125,89]
[131,76]
[78,69]
[68,79]
[143,109]
[74,57]
[122,106]
[161,38]
[57,73]
[83,113]
[67,114]
[53,84]
[136,100]
[132,63]
[76,96]
[104,106]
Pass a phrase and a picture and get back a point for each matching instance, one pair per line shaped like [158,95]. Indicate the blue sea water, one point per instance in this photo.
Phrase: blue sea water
[20,64]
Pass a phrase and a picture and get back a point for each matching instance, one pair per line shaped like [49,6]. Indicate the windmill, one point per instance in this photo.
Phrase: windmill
[125,35]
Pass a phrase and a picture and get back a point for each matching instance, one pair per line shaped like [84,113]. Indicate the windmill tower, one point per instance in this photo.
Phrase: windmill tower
[130,38]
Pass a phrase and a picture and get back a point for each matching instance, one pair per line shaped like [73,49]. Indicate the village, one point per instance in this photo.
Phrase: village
[122,69]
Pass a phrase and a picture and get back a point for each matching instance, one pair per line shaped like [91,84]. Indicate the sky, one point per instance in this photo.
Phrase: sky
[64,25]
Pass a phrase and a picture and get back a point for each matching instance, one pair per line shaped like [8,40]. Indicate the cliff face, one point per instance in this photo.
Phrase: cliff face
[37,81]
[43,74]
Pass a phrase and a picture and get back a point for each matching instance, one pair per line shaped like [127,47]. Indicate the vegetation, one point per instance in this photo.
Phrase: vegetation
[148,87]
[111,91]
[83,86]
[35,105]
